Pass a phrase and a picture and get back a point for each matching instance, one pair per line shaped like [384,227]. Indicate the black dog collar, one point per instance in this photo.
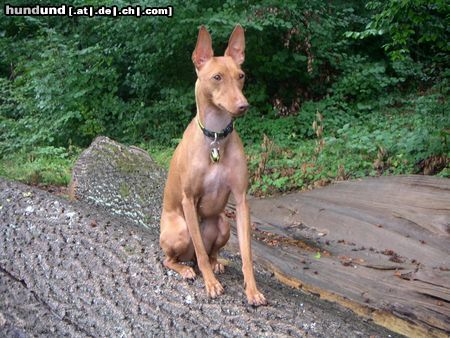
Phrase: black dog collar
[216,135]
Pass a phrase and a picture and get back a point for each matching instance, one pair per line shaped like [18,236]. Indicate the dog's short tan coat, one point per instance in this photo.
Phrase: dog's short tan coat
[193,224]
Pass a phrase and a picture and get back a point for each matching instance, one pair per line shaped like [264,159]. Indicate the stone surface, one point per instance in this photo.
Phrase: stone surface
[124,180]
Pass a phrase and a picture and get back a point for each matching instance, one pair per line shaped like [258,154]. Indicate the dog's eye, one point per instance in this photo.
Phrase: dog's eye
[241,76]
[217,77]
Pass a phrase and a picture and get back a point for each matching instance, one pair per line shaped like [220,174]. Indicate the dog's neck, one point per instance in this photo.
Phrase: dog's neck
[211,117]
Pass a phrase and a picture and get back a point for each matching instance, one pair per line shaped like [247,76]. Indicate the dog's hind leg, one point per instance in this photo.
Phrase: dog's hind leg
[176,244]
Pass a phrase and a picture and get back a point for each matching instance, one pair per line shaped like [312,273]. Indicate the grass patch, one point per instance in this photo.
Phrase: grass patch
[160,153]
[46,165]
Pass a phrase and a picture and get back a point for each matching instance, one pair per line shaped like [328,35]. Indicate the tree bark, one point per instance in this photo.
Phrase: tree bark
[68,268]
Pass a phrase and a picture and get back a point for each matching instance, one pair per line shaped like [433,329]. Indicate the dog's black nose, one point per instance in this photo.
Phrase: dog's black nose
[243,108]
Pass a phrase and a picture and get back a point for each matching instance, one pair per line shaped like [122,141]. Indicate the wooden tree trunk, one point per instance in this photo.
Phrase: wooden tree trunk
[67,268]
[379,246]
[92,267]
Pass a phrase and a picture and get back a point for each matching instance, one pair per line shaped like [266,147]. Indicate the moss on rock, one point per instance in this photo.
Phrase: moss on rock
[123,179]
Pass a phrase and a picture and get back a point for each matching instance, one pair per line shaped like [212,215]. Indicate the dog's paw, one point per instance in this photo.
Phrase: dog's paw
[255,298]
[217,267]
[213,288]
[187,273]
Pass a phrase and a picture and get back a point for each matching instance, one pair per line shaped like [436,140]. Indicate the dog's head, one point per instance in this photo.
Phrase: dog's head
[221,78]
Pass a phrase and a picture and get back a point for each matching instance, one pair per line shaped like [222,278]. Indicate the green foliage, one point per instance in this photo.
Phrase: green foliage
[396,141]
[161,154]
[46,165]
[409,27]
[64,81]
[362,80]
[133,78]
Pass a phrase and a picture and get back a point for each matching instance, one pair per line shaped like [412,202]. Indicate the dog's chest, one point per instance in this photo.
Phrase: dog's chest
[215,179]
[215,190]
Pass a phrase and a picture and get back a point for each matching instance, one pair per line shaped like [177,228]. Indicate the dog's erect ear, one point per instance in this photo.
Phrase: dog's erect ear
[203,49]
[236,45]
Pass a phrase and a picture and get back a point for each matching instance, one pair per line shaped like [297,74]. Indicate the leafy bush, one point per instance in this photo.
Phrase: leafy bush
[133,78]
[409,27]
[362,81]
[413,138]
[64,81]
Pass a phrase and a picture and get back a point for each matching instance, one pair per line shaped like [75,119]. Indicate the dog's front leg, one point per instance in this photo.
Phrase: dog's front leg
[213,287]
[254,297]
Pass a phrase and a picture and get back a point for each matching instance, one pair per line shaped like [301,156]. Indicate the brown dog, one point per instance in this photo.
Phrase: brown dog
[207,165]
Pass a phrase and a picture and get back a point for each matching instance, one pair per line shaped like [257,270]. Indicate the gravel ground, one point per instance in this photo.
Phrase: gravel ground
[69,269]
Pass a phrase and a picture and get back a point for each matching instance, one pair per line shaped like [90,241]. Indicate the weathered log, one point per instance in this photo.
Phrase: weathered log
[375,226]
[384,247]
[124,180]
[67,268]
[335,220]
